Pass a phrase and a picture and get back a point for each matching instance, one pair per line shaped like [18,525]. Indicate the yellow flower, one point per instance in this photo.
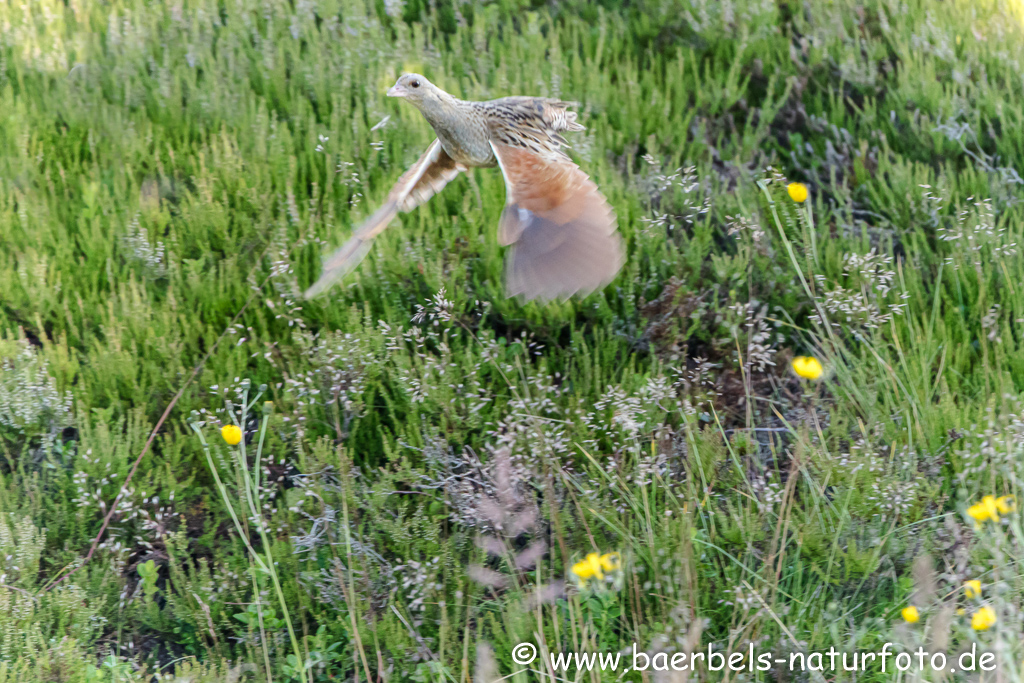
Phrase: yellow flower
[808,367]
[610,561]
[972,588]
[910,614]
[984,511]
[595,566]
[232,434]
[1006,504]
[797,192]
[983,619]
[589,568]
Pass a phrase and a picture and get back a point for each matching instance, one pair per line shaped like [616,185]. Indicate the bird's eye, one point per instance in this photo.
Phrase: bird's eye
[415,84]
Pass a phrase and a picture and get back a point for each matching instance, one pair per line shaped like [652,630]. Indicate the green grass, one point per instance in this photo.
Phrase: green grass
[171,173]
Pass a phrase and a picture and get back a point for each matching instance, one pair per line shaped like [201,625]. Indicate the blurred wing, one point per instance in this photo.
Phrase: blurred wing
[427,177]
[561,228]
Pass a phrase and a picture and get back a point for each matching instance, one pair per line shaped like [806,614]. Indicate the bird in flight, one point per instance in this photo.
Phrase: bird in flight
[561,229]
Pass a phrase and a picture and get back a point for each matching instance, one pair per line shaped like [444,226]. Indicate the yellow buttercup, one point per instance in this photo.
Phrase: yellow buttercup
[797,192]
[808,367]
[231,434]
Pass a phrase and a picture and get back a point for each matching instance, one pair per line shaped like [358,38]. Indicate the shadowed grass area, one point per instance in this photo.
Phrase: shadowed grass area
[439,458]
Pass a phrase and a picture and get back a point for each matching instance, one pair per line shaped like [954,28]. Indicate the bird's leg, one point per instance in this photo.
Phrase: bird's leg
[476,190]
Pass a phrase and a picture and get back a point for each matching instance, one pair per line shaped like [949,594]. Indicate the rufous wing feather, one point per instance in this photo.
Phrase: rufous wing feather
[561,229]
[428,176]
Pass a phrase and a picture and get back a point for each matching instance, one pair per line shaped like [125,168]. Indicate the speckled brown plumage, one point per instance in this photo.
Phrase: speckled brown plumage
[560,229]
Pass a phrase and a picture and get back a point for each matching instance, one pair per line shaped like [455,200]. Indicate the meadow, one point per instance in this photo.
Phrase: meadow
[430,474]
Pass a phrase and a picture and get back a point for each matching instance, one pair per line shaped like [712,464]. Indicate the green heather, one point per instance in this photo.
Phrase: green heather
[435,457]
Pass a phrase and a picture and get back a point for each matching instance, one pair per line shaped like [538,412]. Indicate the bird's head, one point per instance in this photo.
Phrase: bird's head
[414,88]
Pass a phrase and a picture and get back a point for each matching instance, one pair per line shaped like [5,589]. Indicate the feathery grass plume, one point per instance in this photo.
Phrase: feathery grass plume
[687,645]
[940,633]
[510,515]
[508,511]
[486,669]
[923,572]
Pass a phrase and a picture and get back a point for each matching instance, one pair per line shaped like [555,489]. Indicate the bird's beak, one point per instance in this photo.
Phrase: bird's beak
[397,91]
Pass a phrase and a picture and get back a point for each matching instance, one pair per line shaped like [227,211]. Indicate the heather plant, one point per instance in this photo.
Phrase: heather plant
[31,620]
[33,410]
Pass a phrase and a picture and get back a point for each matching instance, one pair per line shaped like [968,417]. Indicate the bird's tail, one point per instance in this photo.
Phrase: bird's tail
[340,263]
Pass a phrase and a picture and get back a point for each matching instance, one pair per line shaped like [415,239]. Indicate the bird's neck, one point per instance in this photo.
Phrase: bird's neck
[441,110]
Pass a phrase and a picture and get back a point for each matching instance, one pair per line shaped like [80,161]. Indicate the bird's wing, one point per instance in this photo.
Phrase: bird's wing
[561,228]
[428,176]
